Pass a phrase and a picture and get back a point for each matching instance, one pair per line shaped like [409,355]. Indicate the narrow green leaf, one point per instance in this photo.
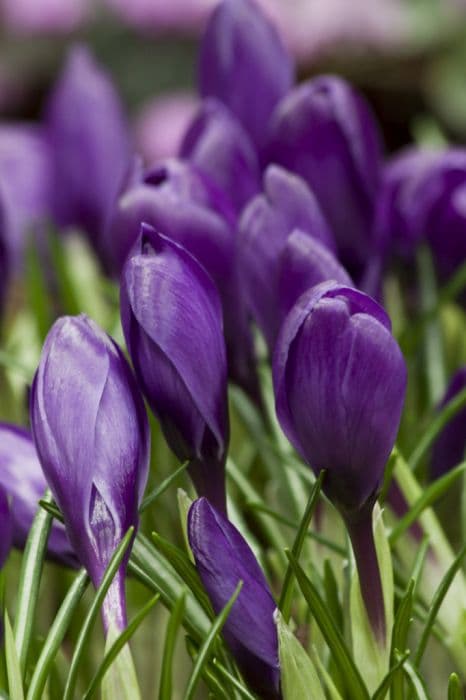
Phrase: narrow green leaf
[331,633]
[287,588]
[36,287]
[89,620]
[419,562]
[417,684]
[69,303]
[332,595]
[299,678]
[399,640]
[208,643]
[53,509]
[436,603]
[56,635]
[161,488]
[387,682]
[15,683]
[455,691]
[184,504]
[217,690]
[29,581]
[332,690]
[429,495]
[120,681]
[118,644]
[183,566]
[165,688]
[242,690]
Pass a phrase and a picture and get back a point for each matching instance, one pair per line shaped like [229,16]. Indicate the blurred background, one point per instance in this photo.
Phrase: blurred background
[408,56]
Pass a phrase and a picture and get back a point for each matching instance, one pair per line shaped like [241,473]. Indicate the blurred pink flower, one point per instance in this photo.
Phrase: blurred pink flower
[161,124]
[162,15]
[44,16]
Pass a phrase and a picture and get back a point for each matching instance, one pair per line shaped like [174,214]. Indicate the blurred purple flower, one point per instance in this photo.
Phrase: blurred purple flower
[324,131]
[161,124]
[223,559]
[21,477]
[6,528]
[25,186]
[160,15]
[89,139]
[44,16]
[219,146]
[244,64]
[172,321]
[286,204]
[92,437]
[450,446]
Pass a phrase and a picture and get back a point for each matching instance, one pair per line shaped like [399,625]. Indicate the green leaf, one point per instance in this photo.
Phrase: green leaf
[332,690]
[29,581]
[37,293]
[161,488]
[332,594]
[399,639]
[183,566]
[120,681]
[242,690]
[287,588]
[117,644]
[165,689]
[208,643]
[69,303]
[15,684]
[56,635]
[416,682]
[455,691]
[90,618]
[331,633]
[184,504]
[436,603]
[387,682]
[299,678]
[429,495]
[371,653]
[217,689]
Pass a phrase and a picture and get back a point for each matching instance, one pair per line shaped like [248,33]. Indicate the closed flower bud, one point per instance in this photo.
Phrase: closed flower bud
[172,321]
[265,226]
[21,477]
[340,382]
[324,131]
[244,64]
[223,559]
[450,446]
[91,433]
[218,145]
[90,141]
[6,528]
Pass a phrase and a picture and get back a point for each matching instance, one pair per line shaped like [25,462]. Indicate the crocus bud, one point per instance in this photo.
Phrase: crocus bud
[223,559]
[324,131]
[90,141]
[340,381]
[244,64]
[450,446]
[92,437]
[172,321]
[6,527]
[22,478]
[219,146]
[265,225]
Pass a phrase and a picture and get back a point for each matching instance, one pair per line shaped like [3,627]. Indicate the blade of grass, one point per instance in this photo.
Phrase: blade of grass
[29,581]
[284,603]
[161,488]
[118,645]
[93,612]
[165,688]
[56,635]
[15,683]
[242,690]
[208,643]
[416,682]
[455,691]
[385,685]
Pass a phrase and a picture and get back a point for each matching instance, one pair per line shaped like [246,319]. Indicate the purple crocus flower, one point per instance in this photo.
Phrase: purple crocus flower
[22,478]
[219,146]
[340,381]
[6,528]
[183,203]
[172,321]
[324,131]
[287,204]
[450,446]
[244,64]
[92,437]
[223,559]
[89,137]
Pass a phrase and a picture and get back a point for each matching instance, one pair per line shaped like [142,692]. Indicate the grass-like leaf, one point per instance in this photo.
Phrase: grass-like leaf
[69,301]
[431,494]
[29,582]
[165,688]
[388,681]
[242,690]
[399,640]
[416,682]
[161,488]
[15,683]
[118,644]
[208,643]
[455,691]
[89,620]
[284,603]
[331,633]
[436,603]
[56,634]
